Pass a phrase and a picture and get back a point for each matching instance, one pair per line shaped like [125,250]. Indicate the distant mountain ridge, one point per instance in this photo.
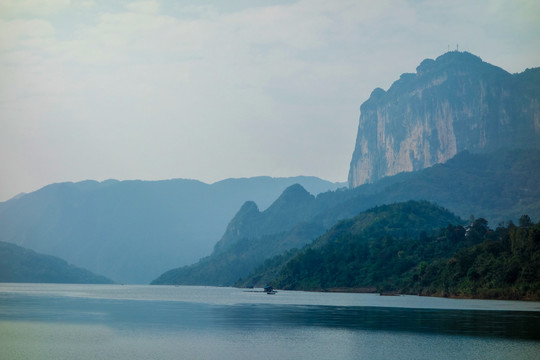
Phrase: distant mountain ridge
[251,237]
[452,104]
[499,186]
[21,265]
[131,231]
[461,133]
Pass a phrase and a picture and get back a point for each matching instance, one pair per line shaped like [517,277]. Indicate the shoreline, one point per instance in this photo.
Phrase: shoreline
[373,290]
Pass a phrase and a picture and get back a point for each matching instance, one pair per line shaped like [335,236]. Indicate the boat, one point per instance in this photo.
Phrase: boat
[269,290]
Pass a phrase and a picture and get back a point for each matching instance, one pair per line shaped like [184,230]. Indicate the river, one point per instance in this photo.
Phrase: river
[59,321]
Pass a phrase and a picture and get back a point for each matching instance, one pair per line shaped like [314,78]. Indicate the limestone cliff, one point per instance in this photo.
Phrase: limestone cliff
[454,103]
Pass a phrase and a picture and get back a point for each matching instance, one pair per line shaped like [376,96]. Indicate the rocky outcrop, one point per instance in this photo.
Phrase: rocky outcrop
[454,103]
[294,205]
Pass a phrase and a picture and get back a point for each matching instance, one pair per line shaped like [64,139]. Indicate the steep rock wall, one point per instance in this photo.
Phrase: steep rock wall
[454,103]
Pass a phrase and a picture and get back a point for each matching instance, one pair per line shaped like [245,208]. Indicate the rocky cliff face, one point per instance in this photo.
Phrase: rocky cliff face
[454,103]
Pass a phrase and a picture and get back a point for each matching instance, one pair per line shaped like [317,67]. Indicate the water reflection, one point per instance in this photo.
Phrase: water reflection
[186,316]
[505,324]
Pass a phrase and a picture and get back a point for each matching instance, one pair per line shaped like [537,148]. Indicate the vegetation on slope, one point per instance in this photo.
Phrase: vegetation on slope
[499,186]
[461,261]
[20,265]
[504,265]
[337,248]
[241,258]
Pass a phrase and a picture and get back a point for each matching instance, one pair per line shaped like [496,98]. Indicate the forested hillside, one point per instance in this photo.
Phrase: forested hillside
[18,264]
[384,252]
[499,186]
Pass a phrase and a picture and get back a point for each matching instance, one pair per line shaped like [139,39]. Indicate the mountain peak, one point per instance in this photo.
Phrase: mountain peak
[295,192]
[292,197]
[239,227]
[462,62]
[454,103]
[249,207]
[458,56]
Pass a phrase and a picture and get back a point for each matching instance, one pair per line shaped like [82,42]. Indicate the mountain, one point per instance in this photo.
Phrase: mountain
[407,248]
[21,265]
[452,104]
[294,205]
[501,186]
[329,260]
[250,238]
[460,133]
[132,231]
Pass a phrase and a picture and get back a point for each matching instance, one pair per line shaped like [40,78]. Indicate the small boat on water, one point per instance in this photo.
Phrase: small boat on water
[267,289]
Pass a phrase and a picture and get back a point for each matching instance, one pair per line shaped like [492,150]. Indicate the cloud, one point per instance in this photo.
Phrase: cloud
[144,7]
[160,89]
[23,33]
[25,8]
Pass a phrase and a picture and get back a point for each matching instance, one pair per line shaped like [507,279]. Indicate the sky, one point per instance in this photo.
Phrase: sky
[210,90]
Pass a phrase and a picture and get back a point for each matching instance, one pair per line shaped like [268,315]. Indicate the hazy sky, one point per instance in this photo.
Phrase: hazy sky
[215,89]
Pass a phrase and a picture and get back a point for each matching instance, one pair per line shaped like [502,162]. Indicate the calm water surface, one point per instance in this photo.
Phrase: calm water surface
[50,321]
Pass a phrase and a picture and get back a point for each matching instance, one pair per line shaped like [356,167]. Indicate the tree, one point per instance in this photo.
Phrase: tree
[525,221]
